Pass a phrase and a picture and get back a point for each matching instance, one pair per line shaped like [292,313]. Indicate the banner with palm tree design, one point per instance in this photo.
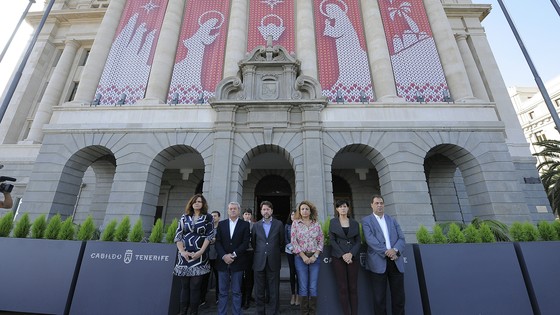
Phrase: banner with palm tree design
[416,64]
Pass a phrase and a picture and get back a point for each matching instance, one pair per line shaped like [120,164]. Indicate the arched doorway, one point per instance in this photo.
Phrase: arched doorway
[277,190]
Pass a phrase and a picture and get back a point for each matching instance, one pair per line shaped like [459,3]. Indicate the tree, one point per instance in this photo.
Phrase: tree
[170,235]
[53,227]
[6,224]
[137,233]
[549,170]
[39,226]
[423,236]
[87,229]
[121,234]
[499,229]
[22,226]
[108,234]
[157,232]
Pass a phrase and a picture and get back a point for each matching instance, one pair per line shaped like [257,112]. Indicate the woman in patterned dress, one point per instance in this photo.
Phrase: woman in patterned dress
[307,241]
[192,238]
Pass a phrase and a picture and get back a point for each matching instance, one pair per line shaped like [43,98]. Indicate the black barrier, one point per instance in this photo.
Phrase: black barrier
[472,279]
[37,276]
[328,302]
[125,278]
[540,263]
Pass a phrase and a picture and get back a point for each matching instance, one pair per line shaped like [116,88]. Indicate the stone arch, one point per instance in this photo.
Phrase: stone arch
[72,174]
[455,183]
[358,165]
[176,173]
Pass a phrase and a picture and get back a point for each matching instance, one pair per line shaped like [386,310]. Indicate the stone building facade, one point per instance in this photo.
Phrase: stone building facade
[121,113]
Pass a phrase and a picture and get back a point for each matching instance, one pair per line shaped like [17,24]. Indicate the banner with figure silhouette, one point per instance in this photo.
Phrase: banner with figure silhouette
[416,65]
[128,65]
[342,58]
[271,18]
[200,53]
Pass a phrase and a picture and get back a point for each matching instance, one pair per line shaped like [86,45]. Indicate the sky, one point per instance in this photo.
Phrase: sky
[536,21]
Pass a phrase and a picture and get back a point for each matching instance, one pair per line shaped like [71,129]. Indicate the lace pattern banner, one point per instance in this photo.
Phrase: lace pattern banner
[128,65]
[274,18]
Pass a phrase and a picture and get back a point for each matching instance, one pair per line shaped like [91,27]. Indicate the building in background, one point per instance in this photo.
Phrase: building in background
[533,114]
[131,107]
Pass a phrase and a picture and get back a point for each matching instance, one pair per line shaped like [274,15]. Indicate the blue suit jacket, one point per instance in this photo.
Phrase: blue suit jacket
[227,245]
[376,261]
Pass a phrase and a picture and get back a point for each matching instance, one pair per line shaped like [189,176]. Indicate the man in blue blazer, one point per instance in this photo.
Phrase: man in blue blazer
[232,241]
[385,241]
[268,242]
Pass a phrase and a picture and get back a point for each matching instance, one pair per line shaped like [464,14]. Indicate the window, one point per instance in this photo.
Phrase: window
[532,115]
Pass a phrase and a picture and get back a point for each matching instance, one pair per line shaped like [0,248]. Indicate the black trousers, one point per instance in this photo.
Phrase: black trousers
[269,281]
[395,278]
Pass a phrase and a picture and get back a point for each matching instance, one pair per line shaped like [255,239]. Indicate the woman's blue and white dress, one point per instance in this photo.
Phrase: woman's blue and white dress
[193,234]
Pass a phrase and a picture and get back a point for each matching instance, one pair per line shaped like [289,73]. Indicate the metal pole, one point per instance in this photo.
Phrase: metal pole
[16,29]
[555,5]
[23,62]
[540,84]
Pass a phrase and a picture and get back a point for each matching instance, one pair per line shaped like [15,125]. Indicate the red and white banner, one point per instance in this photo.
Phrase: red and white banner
[416,64]
[200,55]
[274,18]
[128,66]
[342,58]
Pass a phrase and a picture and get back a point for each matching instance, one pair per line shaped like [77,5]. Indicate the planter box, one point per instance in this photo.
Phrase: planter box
[540,263]
[37,275]
[125,278]
[472,279]
[328,290]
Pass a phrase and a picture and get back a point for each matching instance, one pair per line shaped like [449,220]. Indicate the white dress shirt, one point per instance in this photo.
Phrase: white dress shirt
[383,225]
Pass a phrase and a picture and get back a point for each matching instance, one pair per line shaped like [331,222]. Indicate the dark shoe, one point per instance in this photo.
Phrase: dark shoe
[245,306]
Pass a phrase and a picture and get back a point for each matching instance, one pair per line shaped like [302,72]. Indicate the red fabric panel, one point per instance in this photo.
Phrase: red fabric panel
[416,64]
[341,50]
[200,55]
[130,59]
[274,17]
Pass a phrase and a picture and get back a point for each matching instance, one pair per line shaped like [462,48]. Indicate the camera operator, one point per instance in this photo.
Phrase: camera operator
[6,189]
[8,203]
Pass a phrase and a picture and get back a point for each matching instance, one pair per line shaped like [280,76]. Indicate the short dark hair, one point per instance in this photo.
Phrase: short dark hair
[267,203]
[217,212]
[339,203]
[248,210]
[377,196]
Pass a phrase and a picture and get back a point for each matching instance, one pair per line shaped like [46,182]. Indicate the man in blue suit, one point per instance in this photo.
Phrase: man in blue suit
[232,241]
[385,241]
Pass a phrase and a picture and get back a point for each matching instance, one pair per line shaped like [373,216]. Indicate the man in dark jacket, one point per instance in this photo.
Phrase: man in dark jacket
[268,242]
[232,241]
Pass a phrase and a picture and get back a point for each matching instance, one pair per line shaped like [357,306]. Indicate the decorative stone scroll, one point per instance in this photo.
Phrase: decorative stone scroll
[268,74]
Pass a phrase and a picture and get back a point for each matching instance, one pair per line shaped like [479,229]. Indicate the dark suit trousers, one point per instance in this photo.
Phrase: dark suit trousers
[270,280]
[396,285]
[347,281]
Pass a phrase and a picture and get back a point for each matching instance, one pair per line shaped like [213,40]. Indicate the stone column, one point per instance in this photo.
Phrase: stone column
[53,92]
[378,51]
[314,186]
[479,90]
[164,57]
[306,49]
[449,55]
[217,184]
[95,64]
[236,46]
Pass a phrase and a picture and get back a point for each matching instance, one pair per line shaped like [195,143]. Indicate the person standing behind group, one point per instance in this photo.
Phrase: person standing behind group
[307,241]
[293,279]
[248,274]
[192,238]
[344,234]
[232,241]
[267,238]
[385,241]
[212,259]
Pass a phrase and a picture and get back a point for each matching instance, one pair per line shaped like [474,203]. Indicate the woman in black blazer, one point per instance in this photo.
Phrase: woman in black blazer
[344,234]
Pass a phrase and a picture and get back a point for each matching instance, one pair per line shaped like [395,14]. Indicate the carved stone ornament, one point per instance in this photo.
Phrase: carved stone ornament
[268,75]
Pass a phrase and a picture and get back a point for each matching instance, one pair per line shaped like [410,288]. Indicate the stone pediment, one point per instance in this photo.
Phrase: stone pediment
[268,75]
